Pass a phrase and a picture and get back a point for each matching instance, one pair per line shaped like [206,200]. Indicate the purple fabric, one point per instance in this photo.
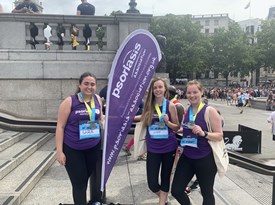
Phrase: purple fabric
[132,69]
[71,131]
[162,145]
[203,146]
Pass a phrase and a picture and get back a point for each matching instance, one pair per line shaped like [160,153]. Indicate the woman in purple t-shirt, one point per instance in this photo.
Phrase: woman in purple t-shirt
[160,118]
[78,135]
[197,157]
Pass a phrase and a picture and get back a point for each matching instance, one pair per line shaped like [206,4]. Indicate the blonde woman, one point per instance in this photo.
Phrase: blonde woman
[197,157]
[160,117]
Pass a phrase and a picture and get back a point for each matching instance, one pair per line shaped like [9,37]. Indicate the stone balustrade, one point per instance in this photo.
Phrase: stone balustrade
[15,30]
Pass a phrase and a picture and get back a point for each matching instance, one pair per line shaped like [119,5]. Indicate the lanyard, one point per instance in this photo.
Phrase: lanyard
[163,110]
[192,117]
[90,111]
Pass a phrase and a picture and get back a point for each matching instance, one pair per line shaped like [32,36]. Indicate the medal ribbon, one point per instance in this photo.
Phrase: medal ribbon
[90,111]
[160,115]
[192,117]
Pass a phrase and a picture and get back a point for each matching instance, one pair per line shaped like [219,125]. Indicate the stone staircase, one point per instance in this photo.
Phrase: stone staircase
[24,159]
[30,175]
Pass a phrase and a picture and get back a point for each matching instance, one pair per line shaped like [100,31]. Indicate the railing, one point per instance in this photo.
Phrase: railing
[259,166]
[28,31]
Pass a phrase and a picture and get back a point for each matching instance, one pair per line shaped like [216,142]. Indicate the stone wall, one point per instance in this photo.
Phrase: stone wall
[34,82]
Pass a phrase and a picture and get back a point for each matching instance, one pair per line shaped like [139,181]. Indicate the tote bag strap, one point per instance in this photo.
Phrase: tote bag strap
[207,120]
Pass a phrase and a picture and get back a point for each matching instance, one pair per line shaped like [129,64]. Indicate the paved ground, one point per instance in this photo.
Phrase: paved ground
[127,183]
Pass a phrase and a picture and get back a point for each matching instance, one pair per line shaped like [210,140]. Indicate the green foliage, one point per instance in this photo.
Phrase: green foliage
[100,33]
[186,48]
[266,43]
[228,51]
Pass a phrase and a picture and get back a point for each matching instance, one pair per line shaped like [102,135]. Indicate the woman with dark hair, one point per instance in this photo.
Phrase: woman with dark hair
[160,118]
[78,136]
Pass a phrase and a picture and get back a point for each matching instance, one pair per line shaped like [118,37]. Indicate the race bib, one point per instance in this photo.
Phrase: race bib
[88,129]
[189,140]
[158,131]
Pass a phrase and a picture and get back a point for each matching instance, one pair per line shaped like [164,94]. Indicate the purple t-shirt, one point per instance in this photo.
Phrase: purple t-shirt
[162,145]
[203,146]
[71,131]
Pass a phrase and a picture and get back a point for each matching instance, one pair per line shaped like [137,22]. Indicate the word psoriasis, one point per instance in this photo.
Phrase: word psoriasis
[127,66]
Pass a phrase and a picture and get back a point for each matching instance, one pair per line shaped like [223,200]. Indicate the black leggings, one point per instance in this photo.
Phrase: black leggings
[80,164]
[154,162]
[205,170]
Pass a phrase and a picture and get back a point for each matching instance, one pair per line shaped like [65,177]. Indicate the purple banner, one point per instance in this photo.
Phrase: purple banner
[132,70]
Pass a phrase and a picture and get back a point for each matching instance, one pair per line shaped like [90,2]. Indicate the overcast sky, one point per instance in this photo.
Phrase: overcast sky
[235,8]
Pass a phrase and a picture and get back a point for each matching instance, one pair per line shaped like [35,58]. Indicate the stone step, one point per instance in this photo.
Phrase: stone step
[9,138]
[11,157]
[53,188]
[230,189]
[33,161]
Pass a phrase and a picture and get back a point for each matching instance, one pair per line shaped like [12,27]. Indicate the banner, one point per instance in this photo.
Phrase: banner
[132,70]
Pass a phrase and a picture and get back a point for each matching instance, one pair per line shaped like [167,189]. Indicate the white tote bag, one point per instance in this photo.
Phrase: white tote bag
[139,140]
[219,150]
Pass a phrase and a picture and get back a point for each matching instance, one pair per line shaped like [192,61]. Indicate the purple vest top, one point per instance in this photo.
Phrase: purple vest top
[162,145]
[71,131]
[203,146]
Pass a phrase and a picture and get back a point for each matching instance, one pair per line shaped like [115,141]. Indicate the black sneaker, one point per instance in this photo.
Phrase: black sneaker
[195,186]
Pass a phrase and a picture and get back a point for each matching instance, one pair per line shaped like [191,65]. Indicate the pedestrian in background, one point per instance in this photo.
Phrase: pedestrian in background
[240,102]
[85,8]
[126,148]
[160,117]
[78,136]
[1,9]
[197,157]
[27,6]
[271,119]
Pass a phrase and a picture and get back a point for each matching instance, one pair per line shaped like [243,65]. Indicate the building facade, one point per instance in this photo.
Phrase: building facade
[271,13]
[210,23]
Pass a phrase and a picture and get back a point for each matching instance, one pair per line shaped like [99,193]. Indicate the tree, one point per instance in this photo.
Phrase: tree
[229,51]
[186,49]
[266,43]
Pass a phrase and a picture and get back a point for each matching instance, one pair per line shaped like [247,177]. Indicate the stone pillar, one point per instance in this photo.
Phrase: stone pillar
[127,23]
[12,35]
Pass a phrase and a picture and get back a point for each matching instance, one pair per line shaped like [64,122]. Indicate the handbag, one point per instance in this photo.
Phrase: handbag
[219,150]
[140,146]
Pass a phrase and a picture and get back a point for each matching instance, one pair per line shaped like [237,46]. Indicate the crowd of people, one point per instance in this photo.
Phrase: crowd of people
[241,96]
